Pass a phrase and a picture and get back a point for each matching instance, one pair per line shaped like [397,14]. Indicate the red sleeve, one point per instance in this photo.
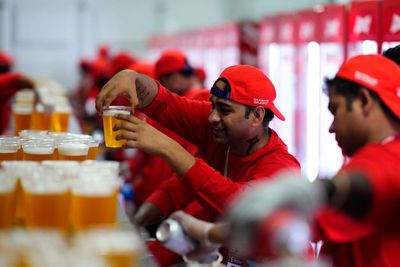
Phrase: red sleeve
[9,84]
[186,117]
[383,174]
[170,196]
[215,191]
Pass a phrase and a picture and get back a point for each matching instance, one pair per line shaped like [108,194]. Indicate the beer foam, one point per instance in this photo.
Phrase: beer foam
[38,150]
[9,150]
[22,109]
[113,112]
[73,149]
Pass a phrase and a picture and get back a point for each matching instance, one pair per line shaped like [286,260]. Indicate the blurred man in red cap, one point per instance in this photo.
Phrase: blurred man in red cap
[10,83]
[174,72]
[233,134]
[364,98]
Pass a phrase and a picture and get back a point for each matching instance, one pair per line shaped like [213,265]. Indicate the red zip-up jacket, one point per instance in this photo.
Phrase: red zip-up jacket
[8,87]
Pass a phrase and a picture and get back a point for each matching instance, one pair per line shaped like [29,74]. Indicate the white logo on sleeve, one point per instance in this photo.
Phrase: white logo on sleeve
[365,78]
[398,92]
[362,24]
[395,25]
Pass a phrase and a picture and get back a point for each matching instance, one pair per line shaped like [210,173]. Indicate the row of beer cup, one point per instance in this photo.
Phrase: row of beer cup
[50,115]
[43,145]
[62,195]
[95,248]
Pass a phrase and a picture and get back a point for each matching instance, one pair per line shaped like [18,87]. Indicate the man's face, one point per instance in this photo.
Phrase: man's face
[228,119]
[176,83]
[347,124]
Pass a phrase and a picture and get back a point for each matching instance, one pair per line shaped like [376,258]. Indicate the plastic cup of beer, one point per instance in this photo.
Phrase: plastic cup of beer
[93,149]
[109,121]
[19,170]
[41,118]
[22,114]
[38,149]
[94,202]
[25,96]
[60,118]
[9,149]
[46,200]
[7,200]
[73,150]
[120,248]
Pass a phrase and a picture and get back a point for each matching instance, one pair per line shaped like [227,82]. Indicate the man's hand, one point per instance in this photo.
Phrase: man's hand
[138,88]
[140,134]
[199,231]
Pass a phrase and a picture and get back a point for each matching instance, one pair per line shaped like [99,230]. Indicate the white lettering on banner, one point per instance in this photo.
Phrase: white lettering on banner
[365,78]
[307,30]
[258,101]
[395,25]
[332,28]
[362,24]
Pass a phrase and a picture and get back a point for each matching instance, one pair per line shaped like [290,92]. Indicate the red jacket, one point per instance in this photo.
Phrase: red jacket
[356,243]
[210,190]
[8,87]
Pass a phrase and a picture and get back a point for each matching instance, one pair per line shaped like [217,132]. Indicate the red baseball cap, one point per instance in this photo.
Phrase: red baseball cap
[377,73]
[143,67]
[250,86]
[5,59]
[171,61]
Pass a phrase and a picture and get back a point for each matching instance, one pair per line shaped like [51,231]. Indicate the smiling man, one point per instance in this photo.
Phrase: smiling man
[233,134]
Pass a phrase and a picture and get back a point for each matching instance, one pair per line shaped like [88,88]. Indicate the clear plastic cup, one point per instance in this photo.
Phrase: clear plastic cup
[7,200]
[109,121]
[22,114]
[19,170]
[60,118]
[93,149]
[119,248]
[94,201]
[38,149]
[41,118]
[9,148]
[46,200]
[73,150]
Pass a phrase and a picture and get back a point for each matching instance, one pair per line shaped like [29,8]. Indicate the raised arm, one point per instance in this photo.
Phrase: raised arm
[138,88]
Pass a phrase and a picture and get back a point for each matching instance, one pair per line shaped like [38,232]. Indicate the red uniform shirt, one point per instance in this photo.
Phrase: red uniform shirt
[8,87]
[356,243]
[204,180]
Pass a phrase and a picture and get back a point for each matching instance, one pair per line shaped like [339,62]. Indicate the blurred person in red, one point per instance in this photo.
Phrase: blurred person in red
[10,83]
[357,228]
[175,73]
[121,61]
[232,133]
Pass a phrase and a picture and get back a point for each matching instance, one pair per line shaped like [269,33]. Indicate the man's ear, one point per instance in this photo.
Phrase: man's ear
[366,100]
[258,115]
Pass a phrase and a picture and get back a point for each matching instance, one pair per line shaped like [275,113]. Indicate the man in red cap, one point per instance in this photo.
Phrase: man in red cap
[10,83]
[364,99]
[233,135]
[174,72]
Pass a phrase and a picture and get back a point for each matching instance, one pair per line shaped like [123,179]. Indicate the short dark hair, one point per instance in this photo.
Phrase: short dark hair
[393,54]
[350,90]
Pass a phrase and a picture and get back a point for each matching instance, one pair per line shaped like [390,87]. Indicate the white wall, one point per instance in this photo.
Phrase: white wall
[47,37]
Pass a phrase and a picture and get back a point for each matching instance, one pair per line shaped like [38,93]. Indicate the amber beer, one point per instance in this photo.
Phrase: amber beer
[7,201]
[73,151]
[46,200]
[109,121]
[60,119]
[36,153]
[9,152]
[93,150]
[22,115]
[93,208]
[41,119]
